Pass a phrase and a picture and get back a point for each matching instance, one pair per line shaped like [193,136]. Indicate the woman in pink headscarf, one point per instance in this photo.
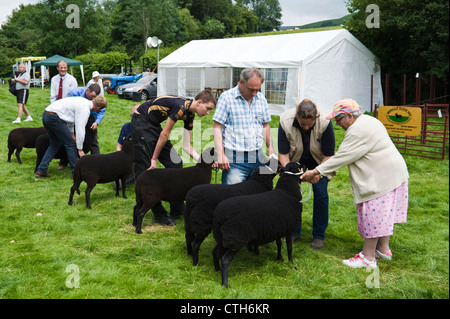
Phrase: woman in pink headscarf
[379,179]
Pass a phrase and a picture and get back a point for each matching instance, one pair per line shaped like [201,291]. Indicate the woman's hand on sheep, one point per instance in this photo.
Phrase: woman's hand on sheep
[153,164]
[311,176]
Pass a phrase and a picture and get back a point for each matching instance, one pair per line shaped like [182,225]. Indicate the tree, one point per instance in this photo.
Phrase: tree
[267,11]
[135,21]
[412,37]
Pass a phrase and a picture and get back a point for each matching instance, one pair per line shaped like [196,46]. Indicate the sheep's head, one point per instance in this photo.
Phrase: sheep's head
[294,168]
[208,156]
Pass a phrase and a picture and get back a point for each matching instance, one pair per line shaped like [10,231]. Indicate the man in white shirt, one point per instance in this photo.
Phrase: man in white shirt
[62,119]
[62,83]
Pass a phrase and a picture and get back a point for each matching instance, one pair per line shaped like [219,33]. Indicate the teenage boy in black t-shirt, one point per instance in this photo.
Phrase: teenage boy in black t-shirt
[151,141]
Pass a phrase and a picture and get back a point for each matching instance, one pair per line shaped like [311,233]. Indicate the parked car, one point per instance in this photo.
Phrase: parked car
[148,84]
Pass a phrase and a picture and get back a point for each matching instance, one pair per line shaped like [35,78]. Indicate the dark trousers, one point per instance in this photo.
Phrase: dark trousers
[58,135]
[145,135]
[320,210]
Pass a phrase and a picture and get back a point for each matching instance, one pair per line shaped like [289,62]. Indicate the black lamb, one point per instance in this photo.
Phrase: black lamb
[202,200]
[23,137]
[169,184]
[103,168]
[258,219]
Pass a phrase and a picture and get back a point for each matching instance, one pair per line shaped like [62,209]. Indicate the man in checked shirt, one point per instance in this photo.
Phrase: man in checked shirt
[241,124]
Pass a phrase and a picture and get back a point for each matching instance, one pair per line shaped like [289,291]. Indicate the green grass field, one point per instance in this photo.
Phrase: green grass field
[45,243]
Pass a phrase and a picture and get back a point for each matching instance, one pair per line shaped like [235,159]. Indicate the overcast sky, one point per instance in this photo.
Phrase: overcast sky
[295,12]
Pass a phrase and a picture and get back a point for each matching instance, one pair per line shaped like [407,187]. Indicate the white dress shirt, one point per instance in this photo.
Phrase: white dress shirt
[69,83]
[75,112]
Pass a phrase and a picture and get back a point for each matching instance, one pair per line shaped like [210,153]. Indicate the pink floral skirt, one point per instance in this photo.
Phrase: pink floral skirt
[376,217]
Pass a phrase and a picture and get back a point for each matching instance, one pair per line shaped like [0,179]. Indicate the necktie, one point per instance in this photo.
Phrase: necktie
[60,89]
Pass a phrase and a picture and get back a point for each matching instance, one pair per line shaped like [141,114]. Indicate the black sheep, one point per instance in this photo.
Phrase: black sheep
[23,137]
[169,184]
[202,200]
[258,219]
[102,168]
[43,142]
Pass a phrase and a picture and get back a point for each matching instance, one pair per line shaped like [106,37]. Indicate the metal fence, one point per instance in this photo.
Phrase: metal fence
[434,136]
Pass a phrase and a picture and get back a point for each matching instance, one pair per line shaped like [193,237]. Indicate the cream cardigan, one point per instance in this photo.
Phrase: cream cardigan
[376,167]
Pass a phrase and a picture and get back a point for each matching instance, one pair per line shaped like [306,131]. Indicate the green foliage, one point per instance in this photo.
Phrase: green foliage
[42,235]
[413,35]
[104,63]
[213,29]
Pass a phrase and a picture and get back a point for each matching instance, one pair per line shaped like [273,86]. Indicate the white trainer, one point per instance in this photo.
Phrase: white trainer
[380,255]
[28,119]
[16,121]
[359,261]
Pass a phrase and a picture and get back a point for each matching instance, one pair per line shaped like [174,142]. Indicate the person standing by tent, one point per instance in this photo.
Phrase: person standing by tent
[306,136]
[62,83]
[379,179]
[241,124]
[151,141]
[90,92]
[22,82]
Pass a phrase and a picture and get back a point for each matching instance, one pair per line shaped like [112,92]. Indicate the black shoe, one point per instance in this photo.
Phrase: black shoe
[176,215]
[164,220]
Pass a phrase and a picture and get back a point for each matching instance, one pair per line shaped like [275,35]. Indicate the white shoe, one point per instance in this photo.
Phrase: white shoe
[28,119]
[16,121]
[359,261]
[380,255]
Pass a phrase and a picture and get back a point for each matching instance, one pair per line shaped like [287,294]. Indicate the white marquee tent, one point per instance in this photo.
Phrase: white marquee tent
[323,66]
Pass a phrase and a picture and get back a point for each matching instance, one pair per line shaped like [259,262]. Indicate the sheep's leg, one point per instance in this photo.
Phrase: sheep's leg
[123,180]
[189,239]
[10,152]
[72,191]
[117,187]
[226,259]
[139,218]
[87,194]
[289,247]
[135,213]
[216,258]
[18,155]
[196,247]
[279,257]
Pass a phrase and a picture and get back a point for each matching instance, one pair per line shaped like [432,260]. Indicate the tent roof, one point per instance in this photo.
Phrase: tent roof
[53,60]
[283,50]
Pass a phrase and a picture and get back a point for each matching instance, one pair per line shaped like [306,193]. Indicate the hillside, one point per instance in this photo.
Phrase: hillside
[319,24]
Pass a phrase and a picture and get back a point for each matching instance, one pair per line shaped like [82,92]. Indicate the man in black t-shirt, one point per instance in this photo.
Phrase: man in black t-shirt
[151,141]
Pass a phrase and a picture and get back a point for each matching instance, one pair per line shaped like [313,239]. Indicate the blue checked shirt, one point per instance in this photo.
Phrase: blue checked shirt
[242,125]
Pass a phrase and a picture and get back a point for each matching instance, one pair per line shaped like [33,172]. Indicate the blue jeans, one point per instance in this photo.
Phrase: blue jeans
[242,165]
[320,210]
[58,135]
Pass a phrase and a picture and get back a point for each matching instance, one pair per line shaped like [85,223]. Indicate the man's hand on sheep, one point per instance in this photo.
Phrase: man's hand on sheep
[223,162]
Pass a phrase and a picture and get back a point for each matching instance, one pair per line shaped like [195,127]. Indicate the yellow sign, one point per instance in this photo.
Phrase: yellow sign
[401,120]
